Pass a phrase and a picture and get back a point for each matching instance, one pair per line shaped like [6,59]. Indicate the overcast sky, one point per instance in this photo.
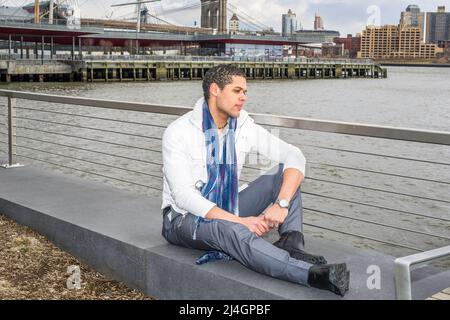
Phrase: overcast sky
[346,16]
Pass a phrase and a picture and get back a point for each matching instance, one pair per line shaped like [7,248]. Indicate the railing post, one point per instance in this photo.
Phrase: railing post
[402,280]
[42,49]
[9,47]
[73,49]
[12,143]
[404,265]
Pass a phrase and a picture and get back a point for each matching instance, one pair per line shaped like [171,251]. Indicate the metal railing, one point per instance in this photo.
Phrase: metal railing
[189,58]
[404,266]
[47,59]
[133,151]
[186,58]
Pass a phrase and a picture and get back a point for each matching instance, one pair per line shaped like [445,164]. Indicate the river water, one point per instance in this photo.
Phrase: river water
[373,198]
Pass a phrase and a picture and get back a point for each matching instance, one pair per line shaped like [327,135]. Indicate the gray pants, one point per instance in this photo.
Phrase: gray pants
[236,239]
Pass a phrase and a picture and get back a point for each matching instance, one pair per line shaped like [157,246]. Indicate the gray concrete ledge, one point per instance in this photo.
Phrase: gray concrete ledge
[118,234]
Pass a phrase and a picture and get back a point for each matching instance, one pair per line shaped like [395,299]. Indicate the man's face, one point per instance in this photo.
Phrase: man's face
[231,99]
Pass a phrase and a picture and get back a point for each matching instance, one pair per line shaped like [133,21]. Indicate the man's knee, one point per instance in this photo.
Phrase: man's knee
[227,231]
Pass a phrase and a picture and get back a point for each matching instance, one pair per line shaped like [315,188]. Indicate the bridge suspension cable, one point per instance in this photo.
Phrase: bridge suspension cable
[245,16]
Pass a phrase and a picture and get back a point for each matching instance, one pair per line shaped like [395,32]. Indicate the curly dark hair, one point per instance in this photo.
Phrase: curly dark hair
[220,75]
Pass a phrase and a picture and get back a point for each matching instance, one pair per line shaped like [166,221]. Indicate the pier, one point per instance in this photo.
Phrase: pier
[103,70]
[160,69]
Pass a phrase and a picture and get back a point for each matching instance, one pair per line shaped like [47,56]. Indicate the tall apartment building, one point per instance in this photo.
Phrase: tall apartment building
[413,17]
[438,26]
[318,22]
[289,24]
[379,42]
[391,41]
[411,45]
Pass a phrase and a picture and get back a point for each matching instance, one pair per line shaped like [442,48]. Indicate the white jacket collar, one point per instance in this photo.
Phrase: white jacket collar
[197,115]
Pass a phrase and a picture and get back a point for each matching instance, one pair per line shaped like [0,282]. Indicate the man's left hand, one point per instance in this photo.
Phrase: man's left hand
[275,215]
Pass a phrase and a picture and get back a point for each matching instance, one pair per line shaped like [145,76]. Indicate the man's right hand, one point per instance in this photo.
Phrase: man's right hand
[256,225]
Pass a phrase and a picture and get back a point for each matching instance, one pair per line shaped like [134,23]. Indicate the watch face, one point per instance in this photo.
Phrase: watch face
[284,203]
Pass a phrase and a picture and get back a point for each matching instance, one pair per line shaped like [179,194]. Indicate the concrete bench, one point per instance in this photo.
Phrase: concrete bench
[119,234]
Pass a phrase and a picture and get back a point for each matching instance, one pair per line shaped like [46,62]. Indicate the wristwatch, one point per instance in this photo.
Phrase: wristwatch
[283,203]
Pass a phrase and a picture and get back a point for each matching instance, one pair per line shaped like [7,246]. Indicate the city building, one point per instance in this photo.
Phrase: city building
[253,50]
[289,24]
[332,50]
[318,22]
[379,42]
[446,48]
[315,36]
[352,45]
[413,17]
[234,24]
[411,45]
[391,41]
[438,26]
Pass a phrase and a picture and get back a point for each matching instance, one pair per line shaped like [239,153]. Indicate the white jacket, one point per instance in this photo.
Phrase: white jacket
[184,157]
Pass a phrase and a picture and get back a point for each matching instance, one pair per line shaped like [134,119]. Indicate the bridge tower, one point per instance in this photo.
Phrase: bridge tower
[214,15]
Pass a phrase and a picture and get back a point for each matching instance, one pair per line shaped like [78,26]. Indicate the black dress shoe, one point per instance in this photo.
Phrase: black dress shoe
[294,242]
[333,277]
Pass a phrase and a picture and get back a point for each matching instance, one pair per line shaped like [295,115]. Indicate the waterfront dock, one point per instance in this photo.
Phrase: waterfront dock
[98,70]
[165,68]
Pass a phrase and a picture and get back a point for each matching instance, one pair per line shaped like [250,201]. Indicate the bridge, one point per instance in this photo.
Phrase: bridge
[105,34]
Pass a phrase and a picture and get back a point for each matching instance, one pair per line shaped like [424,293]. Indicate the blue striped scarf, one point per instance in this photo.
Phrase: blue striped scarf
[222,186]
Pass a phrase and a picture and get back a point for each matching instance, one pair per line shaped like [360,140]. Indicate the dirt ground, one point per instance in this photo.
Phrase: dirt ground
[31,267]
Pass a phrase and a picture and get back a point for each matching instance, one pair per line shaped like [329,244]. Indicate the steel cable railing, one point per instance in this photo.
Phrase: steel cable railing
[76,148]
[378,190]
[369,171]
[364,237]
[154,163]
[378,223]
[378,172]
[90,128]
[92,173]
[367,204]
[378,155]
[93,117]
[373,189]
[89,139]
[92,162]
[377,207]
[310,162]
[89,150]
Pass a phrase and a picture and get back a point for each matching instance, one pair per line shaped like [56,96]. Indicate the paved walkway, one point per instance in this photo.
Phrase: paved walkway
[443,295]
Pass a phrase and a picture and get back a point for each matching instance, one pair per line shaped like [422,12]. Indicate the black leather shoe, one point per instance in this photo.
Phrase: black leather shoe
[294,242]
[333,277]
